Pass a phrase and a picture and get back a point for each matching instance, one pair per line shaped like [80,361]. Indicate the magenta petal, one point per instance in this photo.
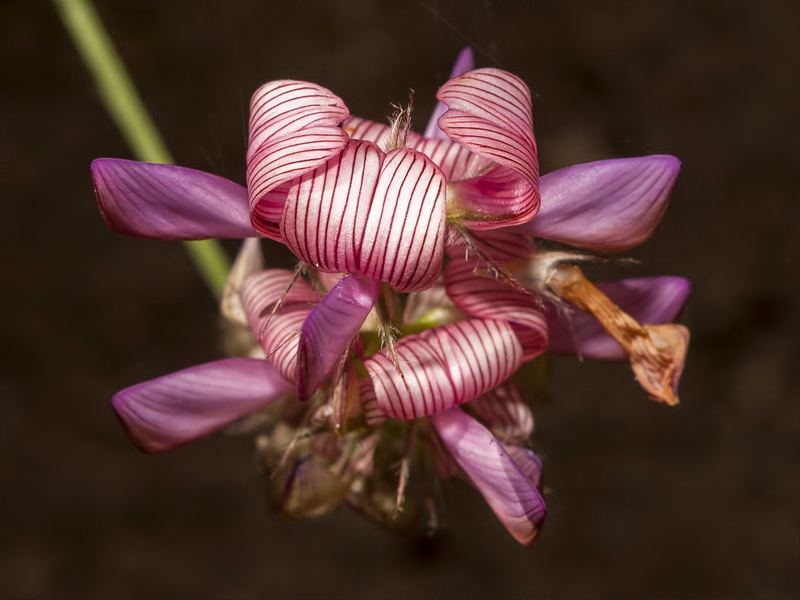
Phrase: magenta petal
[511,494]
[294,128]
[607,206]
[488,298]
[649,300]
[169,202]
[528,463]
[490,115]
[465,62]
[329,330]
[174,409]
[444,366]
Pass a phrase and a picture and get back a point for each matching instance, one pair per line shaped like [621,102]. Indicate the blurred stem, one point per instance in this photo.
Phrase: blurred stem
[129,113]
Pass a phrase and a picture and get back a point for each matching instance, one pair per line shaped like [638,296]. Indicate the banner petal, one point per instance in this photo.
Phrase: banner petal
[294,128]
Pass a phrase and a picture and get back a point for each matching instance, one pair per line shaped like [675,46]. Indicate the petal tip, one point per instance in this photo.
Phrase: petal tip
[124,408]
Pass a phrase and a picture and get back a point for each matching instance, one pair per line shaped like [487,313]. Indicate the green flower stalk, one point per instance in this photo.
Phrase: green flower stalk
[129,113]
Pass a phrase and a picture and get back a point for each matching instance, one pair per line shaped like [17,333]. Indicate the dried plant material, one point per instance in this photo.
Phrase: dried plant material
[656,352]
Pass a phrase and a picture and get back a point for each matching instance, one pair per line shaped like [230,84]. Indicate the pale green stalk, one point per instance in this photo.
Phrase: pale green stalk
[126,108]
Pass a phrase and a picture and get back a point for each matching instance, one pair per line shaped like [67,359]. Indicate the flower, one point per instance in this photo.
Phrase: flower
[430,238]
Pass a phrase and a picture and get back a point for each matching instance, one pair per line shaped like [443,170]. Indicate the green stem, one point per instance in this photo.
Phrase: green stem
[129,113]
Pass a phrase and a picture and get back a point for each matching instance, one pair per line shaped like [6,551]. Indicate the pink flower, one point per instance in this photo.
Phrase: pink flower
[470,181]
[373,210]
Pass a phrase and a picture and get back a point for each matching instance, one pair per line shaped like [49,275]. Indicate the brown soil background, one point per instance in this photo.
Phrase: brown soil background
[696,502]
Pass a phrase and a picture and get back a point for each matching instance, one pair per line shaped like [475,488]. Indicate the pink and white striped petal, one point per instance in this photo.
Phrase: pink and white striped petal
[278,331]
[327,209]
[329,330]
[444,366]
[455,161]
[490,115]
[377,133]
[294,128]
[373,415]
[172,410]
[488,298]
[380,215]
[608,205]
[403,241]
[508,490]
[649,300]
[498,245]
[465,62]
[505,413]
[168,202]
[367,131]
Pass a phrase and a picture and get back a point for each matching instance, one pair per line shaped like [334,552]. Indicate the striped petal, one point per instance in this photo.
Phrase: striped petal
[489,298]
[380,215]
[649,300]
[373,415]
[278,331]
[293,130]
[505,413]
[607,206]
[329,330]
[326,211]
[455,161]
[403,242]
[444,366]
[377,133]
[498,245]
[367,131]
[511,494]
[168,202]
[490,115]
[166,412]
[465,62]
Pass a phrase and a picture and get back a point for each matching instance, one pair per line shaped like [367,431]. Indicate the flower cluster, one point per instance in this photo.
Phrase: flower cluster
[383,362]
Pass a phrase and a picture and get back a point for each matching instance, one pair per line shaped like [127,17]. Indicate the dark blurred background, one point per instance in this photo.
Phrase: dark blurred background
[695,502]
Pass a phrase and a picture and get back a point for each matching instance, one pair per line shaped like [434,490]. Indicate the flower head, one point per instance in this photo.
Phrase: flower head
[383,362]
